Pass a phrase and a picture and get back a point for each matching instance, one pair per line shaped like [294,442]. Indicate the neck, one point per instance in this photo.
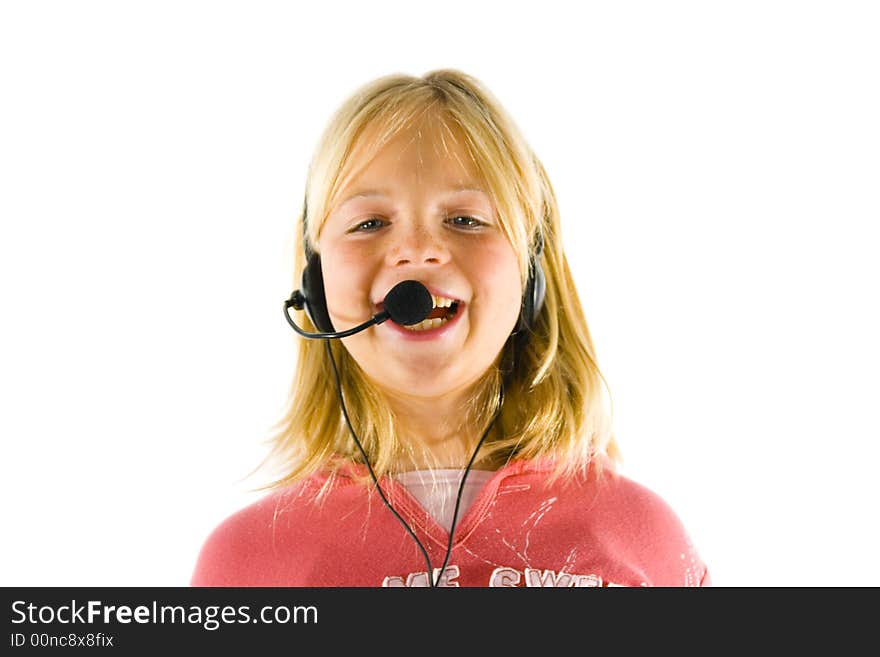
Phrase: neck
[435,434]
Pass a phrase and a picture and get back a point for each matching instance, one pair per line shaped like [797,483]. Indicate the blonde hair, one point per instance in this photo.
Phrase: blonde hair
[553,404]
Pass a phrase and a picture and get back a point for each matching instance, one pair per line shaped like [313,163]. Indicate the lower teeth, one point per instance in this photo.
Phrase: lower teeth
[427,324]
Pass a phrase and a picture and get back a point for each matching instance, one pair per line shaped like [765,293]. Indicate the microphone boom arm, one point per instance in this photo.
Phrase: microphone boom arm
[378,318]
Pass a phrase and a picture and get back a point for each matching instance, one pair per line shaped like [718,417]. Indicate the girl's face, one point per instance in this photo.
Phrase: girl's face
[404,216]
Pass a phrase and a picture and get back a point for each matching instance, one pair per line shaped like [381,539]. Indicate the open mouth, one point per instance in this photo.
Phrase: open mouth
[438,316]
[443,311]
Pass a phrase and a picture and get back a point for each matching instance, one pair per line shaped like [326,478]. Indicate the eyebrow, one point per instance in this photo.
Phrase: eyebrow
[369,193]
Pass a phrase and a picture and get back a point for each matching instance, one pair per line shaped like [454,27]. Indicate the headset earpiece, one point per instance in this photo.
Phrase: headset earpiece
[312,287]
[536,287]
[311,290]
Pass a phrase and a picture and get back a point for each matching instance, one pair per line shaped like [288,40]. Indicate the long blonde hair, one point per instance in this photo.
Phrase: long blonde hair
[553,402]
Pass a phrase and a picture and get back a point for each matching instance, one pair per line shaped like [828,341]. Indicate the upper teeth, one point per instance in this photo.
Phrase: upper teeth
[442,302]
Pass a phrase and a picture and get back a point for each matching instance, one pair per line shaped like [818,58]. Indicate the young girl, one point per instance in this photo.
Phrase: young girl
[472,448]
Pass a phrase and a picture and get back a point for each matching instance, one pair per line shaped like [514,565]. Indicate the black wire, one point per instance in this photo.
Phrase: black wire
[431,579]
[378,318]
[461,486]
[367,460]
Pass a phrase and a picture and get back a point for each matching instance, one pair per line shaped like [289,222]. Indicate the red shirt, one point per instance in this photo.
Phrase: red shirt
[518,532]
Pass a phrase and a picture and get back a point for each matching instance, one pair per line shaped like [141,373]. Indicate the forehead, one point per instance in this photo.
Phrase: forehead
[387,192]
[430,153]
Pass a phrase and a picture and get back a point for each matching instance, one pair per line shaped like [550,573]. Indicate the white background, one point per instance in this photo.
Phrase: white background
[717,166]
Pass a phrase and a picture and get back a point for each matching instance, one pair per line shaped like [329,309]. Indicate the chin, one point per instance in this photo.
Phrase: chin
[423,383]
[418,382]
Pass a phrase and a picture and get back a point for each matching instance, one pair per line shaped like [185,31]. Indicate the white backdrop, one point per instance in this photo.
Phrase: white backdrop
[717,169]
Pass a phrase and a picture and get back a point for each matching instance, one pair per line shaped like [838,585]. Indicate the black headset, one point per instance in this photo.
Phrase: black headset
[311,297]
[312,289]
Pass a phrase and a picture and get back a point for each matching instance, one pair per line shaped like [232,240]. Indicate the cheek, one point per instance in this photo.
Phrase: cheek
[497,276]
[346,279]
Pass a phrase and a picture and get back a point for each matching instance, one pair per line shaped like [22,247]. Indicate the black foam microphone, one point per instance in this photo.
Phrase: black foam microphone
[407,303]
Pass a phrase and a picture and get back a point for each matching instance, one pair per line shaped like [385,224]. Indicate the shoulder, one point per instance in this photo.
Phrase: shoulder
[633,523]
[235,549]
[636,499]
[651,532]
[609,493]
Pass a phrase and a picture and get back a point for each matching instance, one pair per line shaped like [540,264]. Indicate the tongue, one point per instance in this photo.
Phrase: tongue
[437,313]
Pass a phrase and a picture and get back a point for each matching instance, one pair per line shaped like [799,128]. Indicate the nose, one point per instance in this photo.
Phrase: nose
[416,245]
